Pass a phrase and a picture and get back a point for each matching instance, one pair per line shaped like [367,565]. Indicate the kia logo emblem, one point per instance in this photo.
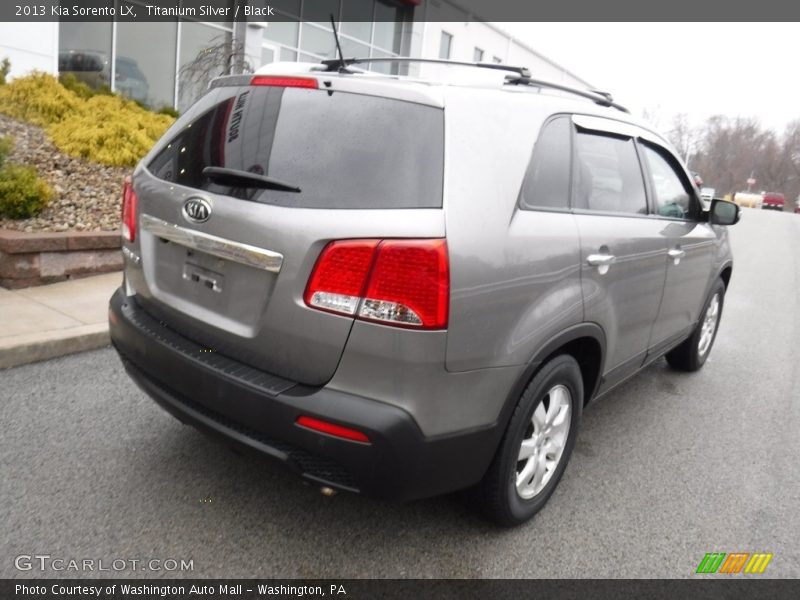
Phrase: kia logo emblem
[196,210]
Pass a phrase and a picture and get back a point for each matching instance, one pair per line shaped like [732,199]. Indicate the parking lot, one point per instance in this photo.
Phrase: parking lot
[668,467]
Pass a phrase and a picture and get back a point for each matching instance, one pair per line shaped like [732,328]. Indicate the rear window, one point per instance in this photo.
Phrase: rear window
[342,150]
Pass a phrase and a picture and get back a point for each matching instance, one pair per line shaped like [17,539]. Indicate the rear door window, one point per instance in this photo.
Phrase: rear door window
[608,175]
[342,150]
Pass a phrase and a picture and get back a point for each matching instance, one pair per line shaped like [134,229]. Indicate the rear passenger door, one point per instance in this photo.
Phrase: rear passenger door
[623,263]
[690,244]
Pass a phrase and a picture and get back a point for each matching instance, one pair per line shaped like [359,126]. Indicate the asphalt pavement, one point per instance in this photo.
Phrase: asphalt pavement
[668,467]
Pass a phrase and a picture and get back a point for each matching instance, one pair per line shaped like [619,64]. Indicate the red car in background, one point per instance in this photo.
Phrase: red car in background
[773,200]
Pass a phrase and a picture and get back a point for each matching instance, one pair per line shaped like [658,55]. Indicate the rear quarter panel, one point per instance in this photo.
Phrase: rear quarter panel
[515,276]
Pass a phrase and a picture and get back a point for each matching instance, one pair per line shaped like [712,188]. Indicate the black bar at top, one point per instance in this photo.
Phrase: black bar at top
[417,10]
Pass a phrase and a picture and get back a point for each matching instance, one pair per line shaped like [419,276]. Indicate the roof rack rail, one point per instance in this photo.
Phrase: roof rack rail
[596,96]
[523,75]
[337,64]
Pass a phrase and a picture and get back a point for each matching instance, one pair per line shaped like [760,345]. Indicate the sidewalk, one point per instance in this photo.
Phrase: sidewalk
[44,322]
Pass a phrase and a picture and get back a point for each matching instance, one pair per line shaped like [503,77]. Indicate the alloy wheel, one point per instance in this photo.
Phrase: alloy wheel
[543,442]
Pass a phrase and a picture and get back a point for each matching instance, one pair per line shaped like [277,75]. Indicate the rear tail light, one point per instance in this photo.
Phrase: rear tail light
[337,283]
[332,429]
[128,211]
[281,81]
[405,283]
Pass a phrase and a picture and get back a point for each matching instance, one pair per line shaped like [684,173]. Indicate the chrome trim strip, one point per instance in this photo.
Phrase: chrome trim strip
[245,254]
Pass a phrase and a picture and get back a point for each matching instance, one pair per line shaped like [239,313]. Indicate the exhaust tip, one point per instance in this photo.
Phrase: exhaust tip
[327,491]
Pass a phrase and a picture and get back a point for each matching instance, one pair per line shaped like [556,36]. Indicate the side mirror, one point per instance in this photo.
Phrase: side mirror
[723,212]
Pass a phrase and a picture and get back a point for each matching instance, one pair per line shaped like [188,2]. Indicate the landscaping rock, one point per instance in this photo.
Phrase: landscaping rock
[87,195]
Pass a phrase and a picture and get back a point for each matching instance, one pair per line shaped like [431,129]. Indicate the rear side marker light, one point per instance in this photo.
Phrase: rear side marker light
[403,283]
[332,429]
[129,202]
[280,81]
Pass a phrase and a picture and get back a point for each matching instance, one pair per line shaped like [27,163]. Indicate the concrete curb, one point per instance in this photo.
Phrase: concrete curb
[34,347]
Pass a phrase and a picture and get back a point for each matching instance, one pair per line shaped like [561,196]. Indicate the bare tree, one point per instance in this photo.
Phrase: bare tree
[223,56]
[681,135]
[731,150]
[652,116]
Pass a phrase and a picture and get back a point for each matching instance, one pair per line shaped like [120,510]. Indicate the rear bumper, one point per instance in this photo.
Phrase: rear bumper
[259,411]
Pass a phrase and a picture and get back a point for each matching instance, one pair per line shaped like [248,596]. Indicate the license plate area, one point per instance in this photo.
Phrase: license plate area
[224,294]
[194,273]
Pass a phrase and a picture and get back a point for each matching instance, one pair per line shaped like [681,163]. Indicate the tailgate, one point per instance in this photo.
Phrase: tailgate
[227,265]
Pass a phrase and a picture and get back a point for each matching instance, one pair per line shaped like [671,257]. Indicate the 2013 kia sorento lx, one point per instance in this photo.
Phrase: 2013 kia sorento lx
[403,287]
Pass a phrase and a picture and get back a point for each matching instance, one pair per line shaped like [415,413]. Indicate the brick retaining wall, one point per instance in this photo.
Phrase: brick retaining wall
[28,259]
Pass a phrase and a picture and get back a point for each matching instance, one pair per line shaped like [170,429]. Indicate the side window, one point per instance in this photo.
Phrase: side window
[608,176]
[671,197]
[547,180]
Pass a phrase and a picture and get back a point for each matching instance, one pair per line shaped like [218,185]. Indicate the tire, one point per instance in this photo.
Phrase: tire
[558,384]
[691,355]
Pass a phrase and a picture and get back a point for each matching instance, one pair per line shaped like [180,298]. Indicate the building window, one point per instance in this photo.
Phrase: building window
[367,29]
[283,32]
[477,55]
[267,55]
[608,175]
[388,26]
[317,40]
[145,71]
[497,60]
[445,45]
[85,52]
[204,51]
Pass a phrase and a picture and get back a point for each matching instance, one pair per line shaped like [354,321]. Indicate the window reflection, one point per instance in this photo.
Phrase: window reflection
[204,55]
[85,52]
[146,68]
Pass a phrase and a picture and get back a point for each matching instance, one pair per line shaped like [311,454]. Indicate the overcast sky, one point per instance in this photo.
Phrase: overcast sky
[748,69]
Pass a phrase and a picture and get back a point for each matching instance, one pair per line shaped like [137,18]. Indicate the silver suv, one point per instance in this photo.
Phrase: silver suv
[403,287]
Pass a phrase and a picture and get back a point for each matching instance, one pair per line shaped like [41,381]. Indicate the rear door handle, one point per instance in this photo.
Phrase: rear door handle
[676,254]
[601,261]
[598,260]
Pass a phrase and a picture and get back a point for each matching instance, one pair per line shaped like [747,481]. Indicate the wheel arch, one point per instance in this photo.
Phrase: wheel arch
[586,342]
[725,273]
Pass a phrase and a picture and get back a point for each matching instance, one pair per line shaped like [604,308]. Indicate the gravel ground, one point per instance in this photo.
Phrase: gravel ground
[87,195]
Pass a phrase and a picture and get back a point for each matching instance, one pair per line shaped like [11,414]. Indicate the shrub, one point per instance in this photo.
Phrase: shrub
[5,69]
[81,88]
[111,130]
[6,146]
[169,111]
[91,124]
[39,99]
[22,193]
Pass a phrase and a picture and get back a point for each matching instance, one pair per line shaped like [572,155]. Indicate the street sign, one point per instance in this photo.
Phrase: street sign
[751,181]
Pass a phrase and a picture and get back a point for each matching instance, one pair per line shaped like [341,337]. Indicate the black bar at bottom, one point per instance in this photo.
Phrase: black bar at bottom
[704,587]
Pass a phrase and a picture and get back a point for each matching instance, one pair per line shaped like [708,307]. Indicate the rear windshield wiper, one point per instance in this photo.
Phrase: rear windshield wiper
[237,178]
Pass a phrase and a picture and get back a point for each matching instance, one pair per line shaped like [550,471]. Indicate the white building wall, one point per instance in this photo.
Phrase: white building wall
[467,35]
[30,46]
[457,17]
